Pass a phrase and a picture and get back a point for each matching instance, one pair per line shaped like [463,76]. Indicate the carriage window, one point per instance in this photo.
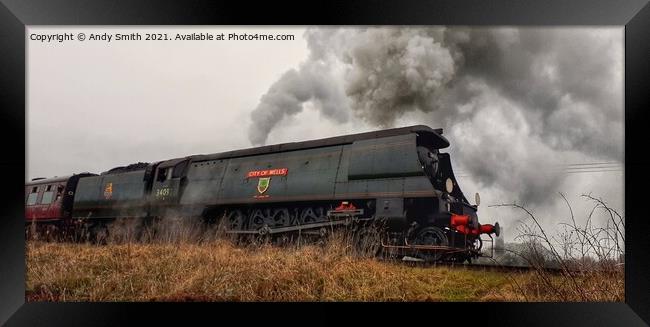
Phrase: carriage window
[49,188]
[33,196]
[47,197]
[31,199]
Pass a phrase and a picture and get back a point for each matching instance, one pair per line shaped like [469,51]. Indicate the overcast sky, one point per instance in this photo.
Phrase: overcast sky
[517,105]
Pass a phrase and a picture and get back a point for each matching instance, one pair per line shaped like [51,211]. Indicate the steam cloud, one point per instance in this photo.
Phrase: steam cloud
[509,99]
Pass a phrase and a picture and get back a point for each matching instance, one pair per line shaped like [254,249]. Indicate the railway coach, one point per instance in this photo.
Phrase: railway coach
[48,202]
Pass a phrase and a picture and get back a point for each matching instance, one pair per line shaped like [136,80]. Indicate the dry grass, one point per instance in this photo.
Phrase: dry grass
[221,271]
[180,261]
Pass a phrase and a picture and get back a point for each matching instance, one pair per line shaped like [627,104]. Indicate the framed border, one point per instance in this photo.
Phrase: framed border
[16,14]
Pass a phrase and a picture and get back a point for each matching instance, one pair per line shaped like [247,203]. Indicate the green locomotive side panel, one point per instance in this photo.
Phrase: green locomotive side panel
[351,189]
[342,175]
[291,176]
[418,186]
[370,188]
[387,187]
[373,168]
[314,174]
[237,187]
[384,167]
[309,176]
[165,192]
[111,196]
[204,182]
[385,157]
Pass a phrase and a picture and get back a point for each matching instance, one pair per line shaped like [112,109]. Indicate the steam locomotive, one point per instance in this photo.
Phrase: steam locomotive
[396,178]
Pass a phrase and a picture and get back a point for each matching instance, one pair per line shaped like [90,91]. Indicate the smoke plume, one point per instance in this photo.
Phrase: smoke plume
[510,100]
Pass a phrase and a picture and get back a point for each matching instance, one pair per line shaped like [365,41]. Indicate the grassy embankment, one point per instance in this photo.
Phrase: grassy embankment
[184,262]
[220,271]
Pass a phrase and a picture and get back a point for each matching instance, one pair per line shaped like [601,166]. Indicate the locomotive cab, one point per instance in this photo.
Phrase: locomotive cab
[168,181]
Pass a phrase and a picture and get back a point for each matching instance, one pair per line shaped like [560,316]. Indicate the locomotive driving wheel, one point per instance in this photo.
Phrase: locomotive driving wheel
[234,220]
[281,217]
[430,236]
[272,218]
[258,219]
[313,215]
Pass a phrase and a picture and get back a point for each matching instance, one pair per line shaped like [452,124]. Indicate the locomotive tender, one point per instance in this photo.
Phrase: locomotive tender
[396,176]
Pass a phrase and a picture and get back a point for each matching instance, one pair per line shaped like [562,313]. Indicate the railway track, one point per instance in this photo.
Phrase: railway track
[477,266]
[495,267]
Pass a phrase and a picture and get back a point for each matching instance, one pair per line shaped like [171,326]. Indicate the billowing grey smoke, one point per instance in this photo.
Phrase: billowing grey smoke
[509,99]
[314,83]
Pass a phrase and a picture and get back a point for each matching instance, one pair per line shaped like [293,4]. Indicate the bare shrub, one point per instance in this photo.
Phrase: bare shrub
[586,257]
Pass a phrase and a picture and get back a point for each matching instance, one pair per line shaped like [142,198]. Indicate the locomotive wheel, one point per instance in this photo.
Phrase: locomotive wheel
[272,218]
[257,219]
[312,215]
[234,220]
[281,217]
[430,236]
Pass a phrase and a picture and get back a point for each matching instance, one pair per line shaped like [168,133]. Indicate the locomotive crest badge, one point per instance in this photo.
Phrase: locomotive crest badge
[108,191]
[264,179]
[263,184]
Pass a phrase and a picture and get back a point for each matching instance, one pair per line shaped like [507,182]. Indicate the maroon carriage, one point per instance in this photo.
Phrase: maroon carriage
[48,201]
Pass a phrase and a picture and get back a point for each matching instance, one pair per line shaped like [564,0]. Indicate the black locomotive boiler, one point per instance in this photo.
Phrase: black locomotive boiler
[395,178]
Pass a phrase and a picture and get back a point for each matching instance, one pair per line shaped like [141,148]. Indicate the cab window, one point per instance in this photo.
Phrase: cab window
[162,175]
